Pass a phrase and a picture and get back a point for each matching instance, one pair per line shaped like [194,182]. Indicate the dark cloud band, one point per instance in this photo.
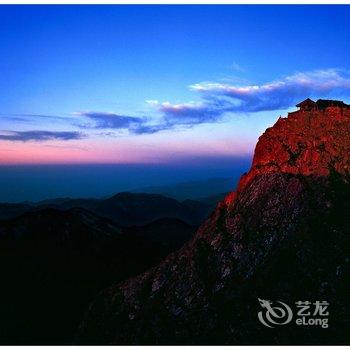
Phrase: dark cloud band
[40,135]
[104,120]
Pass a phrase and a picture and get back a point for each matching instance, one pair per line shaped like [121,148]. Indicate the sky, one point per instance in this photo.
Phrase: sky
[160,85]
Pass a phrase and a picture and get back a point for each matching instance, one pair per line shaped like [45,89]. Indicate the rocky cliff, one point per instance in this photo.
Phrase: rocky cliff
[282,236]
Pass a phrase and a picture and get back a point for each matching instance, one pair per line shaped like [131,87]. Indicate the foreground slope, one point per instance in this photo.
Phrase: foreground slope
[283,235]
[53,262]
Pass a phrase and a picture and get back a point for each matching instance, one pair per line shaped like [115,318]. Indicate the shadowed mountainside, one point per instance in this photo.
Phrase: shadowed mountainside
[11,210]
[53,262]
[282,235]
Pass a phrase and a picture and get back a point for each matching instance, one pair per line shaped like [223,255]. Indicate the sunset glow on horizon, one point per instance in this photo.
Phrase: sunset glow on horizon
[154,85]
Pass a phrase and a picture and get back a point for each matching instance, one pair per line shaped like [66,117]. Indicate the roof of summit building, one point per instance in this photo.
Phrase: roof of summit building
[322,104]
[306,102]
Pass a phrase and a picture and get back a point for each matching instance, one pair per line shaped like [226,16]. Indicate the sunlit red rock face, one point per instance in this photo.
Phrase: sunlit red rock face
[306,142]
[283,235]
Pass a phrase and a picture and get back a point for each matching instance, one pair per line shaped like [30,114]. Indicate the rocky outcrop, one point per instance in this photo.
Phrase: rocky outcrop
[283,235]
[306,143]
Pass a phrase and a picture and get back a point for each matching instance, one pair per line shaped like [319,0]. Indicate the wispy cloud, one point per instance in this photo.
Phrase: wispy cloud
[105,120]
[279,94]
[218,99]
[237,67]
[187,114]
[134,125]
[40,135]
[25,117]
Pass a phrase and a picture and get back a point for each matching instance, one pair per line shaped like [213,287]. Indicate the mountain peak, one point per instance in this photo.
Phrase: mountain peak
[311,141]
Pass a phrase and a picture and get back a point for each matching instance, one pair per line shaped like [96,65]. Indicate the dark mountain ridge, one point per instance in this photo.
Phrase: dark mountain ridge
[194,189]
[11,210]
[53,262]
[125,208]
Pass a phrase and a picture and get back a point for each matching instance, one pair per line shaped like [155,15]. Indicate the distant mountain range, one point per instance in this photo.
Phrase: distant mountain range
[193,189]
[125,208]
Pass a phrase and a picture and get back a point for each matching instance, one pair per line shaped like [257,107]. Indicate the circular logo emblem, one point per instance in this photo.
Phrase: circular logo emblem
[273,315]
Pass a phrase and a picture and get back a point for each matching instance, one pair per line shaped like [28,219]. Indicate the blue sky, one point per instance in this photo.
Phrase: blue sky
[155,84]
